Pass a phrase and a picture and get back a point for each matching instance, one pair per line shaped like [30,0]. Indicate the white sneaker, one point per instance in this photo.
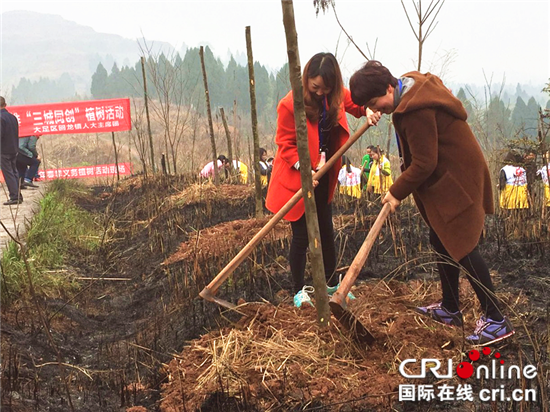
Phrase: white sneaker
[303,296]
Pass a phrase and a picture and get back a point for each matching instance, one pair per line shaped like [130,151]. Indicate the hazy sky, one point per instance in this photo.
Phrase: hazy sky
[500,38]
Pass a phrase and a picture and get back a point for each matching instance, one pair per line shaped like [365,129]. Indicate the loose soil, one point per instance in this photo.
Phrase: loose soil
[137,337]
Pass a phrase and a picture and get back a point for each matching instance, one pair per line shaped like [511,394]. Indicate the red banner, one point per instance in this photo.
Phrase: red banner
[86,171]
[92,116]
[83,171]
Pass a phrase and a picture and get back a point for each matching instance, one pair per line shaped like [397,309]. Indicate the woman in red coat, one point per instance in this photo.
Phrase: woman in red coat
[446,172]
[326,101]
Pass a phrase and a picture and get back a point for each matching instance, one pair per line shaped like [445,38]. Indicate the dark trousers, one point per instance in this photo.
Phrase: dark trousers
[9,170]
[478,276]
[22,163]
[300,240]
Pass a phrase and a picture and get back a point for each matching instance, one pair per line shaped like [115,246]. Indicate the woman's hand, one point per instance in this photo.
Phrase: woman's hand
[315,182]
[373,117]
[394,203]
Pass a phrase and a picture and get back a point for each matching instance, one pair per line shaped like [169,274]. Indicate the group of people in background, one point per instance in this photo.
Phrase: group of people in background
[224,168]
[374,176]
[19,160]
[517,180]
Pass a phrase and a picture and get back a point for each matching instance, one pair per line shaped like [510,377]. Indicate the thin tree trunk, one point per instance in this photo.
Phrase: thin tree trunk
[210,124]
[43,159]
[227,135]
[235,131]
[116,157]
[166,158]
[318,270]
[254,118]
[147,114]
[130,152]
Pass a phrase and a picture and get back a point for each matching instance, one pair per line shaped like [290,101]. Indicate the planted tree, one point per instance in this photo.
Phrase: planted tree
[317,266]
[209,113]
[254,119]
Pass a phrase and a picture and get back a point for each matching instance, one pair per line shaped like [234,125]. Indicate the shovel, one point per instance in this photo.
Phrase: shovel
[337,303]
[209,292]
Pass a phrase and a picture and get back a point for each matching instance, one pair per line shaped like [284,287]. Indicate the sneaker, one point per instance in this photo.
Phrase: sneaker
[29,184]
[303,296]
[490,331]
[441,315]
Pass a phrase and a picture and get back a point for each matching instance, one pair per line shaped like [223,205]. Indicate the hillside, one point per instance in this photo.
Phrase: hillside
[132,334]
[40,45]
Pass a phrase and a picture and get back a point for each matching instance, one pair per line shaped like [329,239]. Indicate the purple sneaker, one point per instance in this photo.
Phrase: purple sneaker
[441,315]
[490,331]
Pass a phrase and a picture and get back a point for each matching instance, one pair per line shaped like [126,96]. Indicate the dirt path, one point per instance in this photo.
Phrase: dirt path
[16,217]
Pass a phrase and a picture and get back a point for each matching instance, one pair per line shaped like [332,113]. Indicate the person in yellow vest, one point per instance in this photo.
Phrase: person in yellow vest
[243,171]
[513,183]
[542,174]
[349,179]
[380,178]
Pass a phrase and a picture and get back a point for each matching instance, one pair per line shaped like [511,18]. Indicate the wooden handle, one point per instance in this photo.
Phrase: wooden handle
[215,284]
[361,257]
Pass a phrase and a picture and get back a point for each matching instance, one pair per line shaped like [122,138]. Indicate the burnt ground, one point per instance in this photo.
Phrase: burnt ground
[145,341]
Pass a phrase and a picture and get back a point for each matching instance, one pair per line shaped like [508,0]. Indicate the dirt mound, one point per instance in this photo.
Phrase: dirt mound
[277,358]
[225,237]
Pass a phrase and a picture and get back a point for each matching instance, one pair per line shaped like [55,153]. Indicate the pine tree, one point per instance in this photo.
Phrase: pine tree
[99,88]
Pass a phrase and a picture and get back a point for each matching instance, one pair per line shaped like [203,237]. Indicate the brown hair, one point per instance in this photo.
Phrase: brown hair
[370,81]
[326,66]
[513,158]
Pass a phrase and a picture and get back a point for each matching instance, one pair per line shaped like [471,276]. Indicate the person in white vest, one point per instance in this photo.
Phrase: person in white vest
[513,183]
[542,174]
[349,179]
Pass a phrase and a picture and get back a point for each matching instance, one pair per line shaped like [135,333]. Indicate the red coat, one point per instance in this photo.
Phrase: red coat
[285,179]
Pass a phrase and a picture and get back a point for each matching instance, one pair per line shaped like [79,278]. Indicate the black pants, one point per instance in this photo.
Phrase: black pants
[478,275]
[300,240]
[9,170]
[24,162]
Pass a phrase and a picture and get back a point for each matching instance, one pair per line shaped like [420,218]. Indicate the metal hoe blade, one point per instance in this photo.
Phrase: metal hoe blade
[351,323]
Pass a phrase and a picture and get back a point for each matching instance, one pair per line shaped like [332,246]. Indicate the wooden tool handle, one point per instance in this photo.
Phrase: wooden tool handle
[361,257]
[215,284]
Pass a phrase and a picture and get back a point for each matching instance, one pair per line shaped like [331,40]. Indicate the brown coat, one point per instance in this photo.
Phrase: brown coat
[443,165]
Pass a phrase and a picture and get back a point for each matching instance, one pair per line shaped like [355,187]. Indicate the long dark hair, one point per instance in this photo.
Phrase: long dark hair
[326,66]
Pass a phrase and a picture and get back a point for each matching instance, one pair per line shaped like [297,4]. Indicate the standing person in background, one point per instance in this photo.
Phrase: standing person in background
[513,183]
[380,173]
[326,103]
[9,146]
[365,167]
[349,179]
[445,171]
[28,161]
[265,168]
[542,174]
[241,167]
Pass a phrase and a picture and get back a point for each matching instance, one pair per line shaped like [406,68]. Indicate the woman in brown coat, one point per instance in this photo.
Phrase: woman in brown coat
[444,169]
